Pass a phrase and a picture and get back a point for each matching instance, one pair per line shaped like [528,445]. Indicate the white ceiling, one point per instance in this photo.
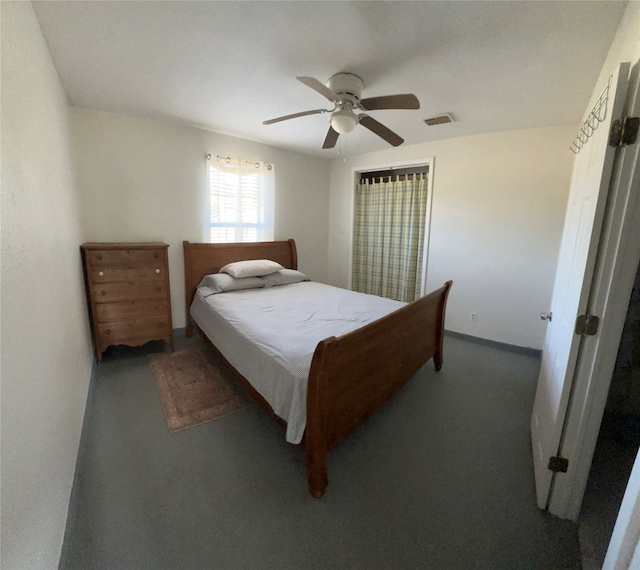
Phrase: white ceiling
[228,66]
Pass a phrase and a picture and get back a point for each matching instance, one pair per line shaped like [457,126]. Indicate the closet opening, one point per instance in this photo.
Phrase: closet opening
[391,223]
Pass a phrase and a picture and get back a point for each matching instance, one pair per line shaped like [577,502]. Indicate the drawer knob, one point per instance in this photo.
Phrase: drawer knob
[105,312]
[156,255]
[101,273]
[161,325]
[158,288]
[107,331]
[157,271]
[103,293]
[99,256]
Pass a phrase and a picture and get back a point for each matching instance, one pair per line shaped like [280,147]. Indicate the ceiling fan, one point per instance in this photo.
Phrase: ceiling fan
[343,90]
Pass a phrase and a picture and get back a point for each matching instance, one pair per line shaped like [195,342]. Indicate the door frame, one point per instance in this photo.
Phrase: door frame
[616,266]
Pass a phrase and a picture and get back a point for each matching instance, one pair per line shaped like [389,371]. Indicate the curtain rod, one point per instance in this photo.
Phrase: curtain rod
[372,176]
[397,167]
[227,159]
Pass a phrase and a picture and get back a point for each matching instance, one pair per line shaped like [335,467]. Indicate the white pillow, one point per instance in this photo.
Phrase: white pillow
[251,268]
[283,277]
[221,282]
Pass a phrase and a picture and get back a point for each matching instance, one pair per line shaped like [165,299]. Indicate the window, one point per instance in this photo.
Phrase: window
[240,200]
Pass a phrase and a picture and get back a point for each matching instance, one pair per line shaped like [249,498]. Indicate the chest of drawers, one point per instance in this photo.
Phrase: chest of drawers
[128,293]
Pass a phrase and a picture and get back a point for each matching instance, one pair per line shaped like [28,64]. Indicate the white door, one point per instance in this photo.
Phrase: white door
[576,262]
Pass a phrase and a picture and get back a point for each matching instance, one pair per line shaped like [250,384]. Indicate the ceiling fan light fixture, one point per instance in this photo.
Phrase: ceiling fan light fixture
[344,121]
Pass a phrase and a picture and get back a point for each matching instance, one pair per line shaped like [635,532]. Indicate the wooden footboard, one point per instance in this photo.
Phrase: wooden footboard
[353,375]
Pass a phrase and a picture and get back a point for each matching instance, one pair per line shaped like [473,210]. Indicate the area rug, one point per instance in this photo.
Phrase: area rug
[193,389]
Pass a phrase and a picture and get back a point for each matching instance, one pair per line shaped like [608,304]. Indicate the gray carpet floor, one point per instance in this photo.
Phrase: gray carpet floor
[440,477]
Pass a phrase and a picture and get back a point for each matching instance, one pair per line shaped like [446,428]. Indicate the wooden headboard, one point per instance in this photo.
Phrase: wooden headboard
[201,259]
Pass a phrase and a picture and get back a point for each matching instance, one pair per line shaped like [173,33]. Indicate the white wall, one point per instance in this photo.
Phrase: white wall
[497,216]
[145,180]
[46,352]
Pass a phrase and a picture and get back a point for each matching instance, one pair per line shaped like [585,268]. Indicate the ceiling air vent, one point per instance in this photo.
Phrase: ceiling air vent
[439,120]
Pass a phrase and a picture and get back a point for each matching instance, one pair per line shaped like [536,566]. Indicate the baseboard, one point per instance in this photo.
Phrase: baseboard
[527,351]
[75,489]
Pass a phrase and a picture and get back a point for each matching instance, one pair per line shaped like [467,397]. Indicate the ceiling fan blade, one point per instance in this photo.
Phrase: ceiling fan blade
[331,138]
[380,130]
[404,101]
[319,87]
[294,116]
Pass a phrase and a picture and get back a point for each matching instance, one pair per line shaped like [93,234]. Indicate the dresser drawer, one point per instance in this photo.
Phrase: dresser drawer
[134,332]
[129,291]
[128,272]
[101,256]
[141,308]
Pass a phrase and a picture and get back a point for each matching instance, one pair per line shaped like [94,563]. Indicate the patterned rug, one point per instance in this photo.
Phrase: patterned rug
[193,389]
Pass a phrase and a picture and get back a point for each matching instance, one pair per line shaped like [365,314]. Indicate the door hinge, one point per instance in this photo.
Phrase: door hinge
[558,464]
[624,131]
[587,325]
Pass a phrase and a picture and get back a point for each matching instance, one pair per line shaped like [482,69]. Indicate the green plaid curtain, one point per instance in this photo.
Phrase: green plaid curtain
[388,241]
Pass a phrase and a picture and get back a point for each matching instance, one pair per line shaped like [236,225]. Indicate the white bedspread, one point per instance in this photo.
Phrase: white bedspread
[269,335]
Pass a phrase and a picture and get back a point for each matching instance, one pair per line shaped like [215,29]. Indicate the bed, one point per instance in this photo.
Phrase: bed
[348,374]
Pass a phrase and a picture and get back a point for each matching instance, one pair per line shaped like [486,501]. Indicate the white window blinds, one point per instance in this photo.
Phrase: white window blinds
[240,200]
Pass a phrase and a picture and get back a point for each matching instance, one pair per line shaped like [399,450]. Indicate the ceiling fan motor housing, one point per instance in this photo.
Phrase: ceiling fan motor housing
[347,86]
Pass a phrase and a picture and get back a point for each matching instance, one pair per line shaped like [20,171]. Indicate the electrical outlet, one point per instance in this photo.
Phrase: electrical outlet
[473,316]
